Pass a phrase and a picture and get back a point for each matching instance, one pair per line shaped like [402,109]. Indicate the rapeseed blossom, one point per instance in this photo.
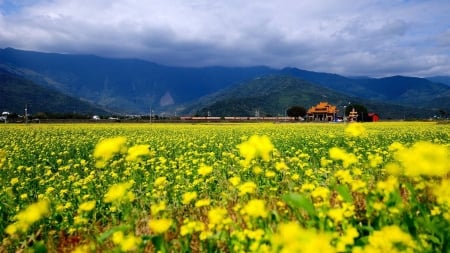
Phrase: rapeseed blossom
[160,226]
[205,170]
[290,237]
[188,197]
[355,130]
[107,148]
[126,242]
[203,202]
[235,180]
[136,152]
[388,186]
[247,188]
[120,192]
[190,227]
[157,208]
[424,158]
[347,239]
[160,182]
[340,154]
[255,208]
[2,157]
[389,239]
[86,206]
[300,184]
[28,217]
[256,146]
[441,192]
[218,218]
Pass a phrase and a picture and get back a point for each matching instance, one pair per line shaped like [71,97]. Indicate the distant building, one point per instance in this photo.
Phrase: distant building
[322,112]
[373,117]
[353,115]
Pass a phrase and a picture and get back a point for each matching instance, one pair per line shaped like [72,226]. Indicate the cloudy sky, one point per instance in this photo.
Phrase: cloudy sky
[348,37]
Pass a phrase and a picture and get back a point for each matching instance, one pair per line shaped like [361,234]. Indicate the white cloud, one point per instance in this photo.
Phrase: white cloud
[347,37]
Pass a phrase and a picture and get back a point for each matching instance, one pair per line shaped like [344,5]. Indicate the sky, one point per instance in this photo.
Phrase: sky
[354,38]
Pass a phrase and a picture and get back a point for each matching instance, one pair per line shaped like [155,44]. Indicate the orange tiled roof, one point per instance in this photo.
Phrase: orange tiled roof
[322,107]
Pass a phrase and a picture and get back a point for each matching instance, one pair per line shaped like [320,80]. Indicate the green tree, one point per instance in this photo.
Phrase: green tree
[361,109]
[296,111]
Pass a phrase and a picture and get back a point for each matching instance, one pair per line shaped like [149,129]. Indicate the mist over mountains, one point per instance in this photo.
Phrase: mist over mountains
[131,86]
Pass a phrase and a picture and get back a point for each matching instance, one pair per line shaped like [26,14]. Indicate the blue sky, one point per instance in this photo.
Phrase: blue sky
[364,37]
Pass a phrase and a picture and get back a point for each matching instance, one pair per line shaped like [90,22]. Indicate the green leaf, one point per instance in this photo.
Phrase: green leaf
[296,200]
[344,191]
[39,248]
[158,242]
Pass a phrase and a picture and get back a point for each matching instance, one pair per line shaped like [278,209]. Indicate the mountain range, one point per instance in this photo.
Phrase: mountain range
[132,86]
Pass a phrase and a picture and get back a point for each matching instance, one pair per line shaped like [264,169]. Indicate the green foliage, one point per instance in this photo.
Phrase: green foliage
[296,111]
[361,109]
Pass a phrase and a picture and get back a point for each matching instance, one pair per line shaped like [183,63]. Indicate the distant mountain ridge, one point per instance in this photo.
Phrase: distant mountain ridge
[273,95]
[136,86]
[440,79]
[17,93]
[126,85]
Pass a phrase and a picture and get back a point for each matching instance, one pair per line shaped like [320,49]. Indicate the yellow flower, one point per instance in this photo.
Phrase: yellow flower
[156,208]
[160,182]
[80,220]
[255,208]
[188,197]
[247,187]
[336,214]
[343,176]
[348,238]
[190,227]
[290,237]
[375,160]
[396,146]
[390,239]
[235,180]
[388,186]
[256,146]
[126,242]
[86,206]
[355,129]
[107,148]
[159,226]
[2,157]
[216,216]
[27,217]
[205,170]
[202,202]
[119,192]
[14,180]
[424,158]
[281,166]
[340,154]
[441,192]
[136,152]
[321,192]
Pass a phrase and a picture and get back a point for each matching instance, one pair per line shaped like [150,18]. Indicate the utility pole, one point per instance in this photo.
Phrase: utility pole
[26,113]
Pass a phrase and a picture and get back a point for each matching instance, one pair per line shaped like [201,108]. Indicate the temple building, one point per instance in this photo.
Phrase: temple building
[322,112]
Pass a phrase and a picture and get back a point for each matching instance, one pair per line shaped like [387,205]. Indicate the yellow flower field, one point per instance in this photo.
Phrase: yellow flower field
[262,187]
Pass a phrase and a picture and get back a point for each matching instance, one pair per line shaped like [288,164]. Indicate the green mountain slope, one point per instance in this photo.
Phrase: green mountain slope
[126,85]
[135,86]
[401,90]
[16,93]
[272,95]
